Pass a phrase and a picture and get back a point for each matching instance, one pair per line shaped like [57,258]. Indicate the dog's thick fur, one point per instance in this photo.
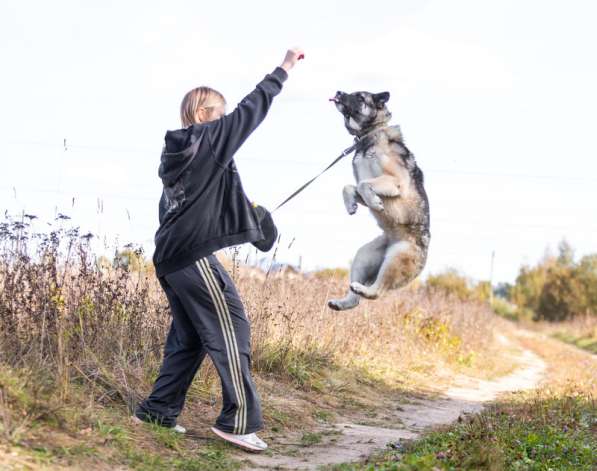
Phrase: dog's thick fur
[390,184]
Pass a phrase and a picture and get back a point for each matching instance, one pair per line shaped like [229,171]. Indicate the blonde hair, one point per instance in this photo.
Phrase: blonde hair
[195,99]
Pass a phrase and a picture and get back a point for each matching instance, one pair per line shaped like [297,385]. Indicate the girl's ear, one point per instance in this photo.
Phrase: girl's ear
[203,114]
[381,98]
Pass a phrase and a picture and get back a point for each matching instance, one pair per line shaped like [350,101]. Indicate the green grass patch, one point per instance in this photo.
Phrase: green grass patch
[539,434]
[586,343]
[212,455]
[504,308]
[304,367]
[166,436]
[311,438]
[323,415]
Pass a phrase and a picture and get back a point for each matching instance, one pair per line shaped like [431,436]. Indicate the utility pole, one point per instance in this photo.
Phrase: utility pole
[491,277]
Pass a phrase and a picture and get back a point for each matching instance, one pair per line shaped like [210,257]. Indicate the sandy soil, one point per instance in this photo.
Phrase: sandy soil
[349,441]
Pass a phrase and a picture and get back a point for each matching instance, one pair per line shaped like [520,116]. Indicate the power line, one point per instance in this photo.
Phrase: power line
[86,193]
[434,220]
[563,179]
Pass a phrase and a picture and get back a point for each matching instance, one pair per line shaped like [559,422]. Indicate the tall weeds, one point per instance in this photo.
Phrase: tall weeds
[59,311]
[83,323]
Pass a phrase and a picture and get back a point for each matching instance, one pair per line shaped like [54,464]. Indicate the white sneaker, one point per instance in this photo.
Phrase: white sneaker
[250,441]
[177,428]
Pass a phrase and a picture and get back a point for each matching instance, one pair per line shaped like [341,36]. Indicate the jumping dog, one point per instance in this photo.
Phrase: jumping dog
[390,184]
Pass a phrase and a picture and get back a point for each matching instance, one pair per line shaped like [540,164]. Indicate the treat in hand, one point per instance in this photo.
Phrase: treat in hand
[293,55]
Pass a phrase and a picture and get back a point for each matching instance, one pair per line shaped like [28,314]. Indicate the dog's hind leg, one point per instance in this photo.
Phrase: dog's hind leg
[364,268]
[401,264]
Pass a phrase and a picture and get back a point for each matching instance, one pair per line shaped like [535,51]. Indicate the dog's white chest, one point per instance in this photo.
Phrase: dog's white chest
[365,166]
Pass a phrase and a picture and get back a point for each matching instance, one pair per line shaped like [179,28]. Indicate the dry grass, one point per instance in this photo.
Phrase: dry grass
[408,332]
[90,338]
[580,331]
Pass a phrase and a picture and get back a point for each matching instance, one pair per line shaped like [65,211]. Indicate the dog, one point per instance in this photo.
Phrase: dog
[390,184]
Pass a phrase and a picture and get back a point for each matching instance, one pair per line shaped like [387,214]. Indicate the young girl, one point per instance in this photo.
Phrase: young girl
[203,208]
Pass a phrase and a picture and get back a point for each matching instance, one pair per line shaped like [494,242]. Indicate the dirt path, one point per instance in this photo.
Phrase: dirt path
[346,442]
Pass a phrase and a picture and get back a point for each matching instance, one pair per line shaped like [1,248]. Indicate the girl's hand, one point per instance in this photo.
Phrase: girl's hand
[292,57]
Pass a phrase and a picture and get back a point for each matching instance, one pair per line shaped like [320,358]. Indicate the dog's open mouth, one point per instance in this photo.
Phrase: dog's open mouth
[337,98]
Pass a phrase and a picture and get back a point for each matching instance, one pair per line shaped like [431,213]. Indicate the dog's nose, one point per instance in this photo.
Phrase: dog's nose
[337,97]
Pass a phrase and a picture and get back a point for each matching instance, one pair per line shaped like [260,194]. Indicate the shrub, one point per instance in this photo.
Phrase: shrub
[334,273]
[557,288]
[451,282]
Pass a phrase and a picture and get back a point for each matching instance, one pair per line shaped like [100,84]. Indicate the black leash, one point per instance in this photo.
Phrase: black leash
[344,153]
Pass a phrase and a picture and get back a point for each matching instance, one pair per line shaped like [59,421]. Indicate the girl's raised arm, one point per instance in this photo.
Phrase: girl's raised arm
[228,133]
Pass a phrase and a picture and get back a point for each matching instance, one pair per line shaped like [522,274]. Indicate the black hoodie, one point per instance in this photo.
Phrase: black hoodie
[203,206]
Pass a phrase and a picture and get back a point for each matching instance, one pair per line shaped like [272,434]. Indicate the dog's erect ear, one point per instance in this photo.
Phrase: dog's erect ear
[381,98]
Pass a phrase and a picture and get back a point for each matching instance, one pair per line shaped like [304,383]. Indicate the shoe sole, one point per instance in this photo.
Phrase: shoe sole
[238,443]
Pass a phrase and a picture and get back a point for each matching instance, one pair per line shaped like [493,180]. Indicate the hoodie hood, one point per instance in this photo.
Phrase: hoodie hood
[180,149]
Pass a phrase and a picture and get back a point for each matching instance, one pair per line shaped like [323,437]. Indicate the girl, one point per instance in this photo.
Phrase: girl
[203,208]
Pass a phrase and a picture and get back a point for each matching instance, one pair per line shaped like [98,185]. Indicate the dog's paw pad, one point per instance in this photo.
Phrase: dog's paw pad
[334,304]
[350,205]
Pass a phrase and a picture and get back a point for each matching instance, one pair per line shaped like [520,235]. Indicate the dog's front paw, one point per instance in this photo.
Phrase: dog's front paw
[362,290]
[351,207]
[376,203]
[350,201]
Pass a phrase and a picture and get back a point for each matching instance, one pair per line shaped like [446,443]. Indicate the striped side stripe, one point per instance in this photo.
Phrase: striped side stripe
[242,409]
[234,349]
[219,301]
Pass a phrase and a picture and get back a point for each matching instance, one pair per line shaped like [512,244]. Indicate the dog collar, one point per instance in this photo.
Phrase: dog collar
[373,131]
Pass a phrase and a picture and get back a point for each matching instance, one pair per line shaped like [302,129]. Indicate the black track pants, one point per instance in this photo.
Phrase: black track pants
[208,317]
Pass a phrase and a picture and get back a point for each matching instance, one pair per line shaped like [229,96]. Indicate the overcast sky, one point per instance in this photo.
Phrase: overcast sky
[496,99]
